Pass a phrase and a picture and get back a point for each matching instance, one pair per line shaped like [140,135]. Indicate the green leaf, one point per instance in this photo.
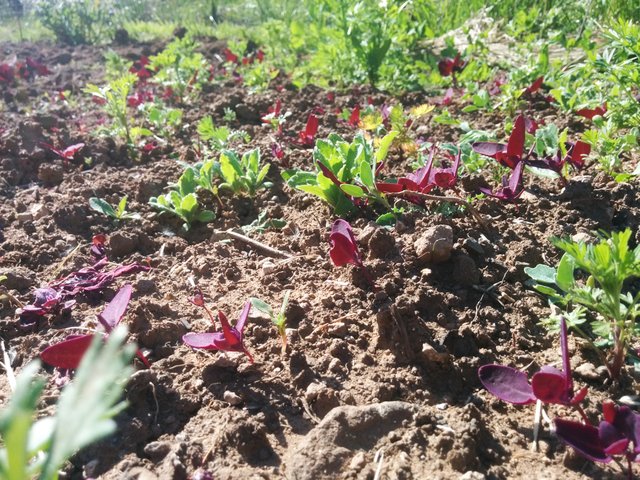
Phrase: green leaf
[352,190]
[564,278]
[366,175]
[206,216]
[542,273]
[122,205]
[385,144]
[261,306]
[189,203]
[102,206]
[386,219]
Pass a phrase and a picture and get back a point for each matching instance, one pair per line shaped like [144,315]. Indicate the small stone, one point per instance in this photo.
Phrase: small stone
[24,217]
[231,398]
[358,462]
[472,476]
[268,267]
[337,329]
[431,355]
[587,371]
[434,245]
[157,450]
[39,211]
[583,237]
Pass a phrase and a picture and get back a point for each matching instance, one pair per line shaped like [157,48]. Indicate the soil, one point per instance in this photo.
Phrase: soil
[373,380]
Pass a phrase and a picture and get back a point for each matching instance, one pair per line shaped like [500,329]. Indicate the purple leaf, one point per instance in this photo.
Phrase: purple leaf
[488,149]
[230,339]
[549,387]
[583,438]
[506,383]
[68,353]
[344,249]
[113,312]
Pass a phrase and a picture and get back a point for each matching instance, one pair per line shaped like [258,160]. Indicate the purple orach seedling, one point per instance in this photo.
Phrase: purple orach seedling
[59,294]
[619,430]
[549,385]
[592,112]
[534,87]
[344,249]
[229,340]
[354,118]
[575,156]
[511,186]
[510,154]
[425,178]
[451,66]
[68,153]
[68,353]
[307,137]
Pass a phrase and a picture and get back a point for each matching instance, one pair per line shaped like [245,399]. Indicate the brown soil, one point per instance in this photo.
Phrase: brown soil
[391,372]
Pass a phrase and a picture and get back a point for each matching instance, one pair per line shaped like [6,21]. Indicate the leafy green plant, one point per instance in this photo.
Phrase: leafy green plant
[164,120]
[182,201]
[77,22]
[600,299]
[84,412]
[262,224]
[345,173]
[118,213]
[113,97]
[115,65]
[179,67]
[219,138]
[243,175]
[278,319]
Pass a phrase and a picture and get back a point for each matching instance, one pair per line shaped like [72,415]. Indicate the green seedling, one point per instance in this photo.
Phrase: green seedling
[600,299]
[182,201]
[219,138]
[243,176]
[100,205]
[279,319]
[39,449]
[263,223]
[113,97]
[345,175]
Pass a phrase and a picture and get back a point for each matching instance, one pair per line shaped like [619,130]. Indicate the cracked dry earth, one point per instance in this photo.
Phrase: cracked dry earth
[373,382]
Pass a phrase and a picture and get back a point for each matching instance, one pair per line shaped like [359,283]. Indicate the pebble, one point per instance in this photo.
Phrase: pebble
[472,476]
[587,371]
[434,245]
[231,398]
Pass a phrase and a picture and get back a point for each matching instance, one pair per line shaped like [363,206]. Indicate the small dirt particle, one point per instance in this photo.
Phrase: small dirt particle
[231,398]
[465,271]
[50,174]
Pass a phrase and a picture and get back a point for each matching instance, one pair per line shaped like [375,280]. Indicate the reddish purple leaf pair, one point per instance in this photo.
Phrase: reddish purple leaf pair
[68,353]
[307,137]
[66,154]
[511,186]
[593,112]
[534,87]
[344,249]
[512,153]
[549,385]
[60,293]
[617,434]
[426,178]
[450,66]
[229,340]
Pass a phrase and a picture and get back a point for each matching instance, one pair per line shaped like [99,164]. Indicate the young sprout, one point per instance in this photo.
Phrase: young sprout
[279,320]
[118,213]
